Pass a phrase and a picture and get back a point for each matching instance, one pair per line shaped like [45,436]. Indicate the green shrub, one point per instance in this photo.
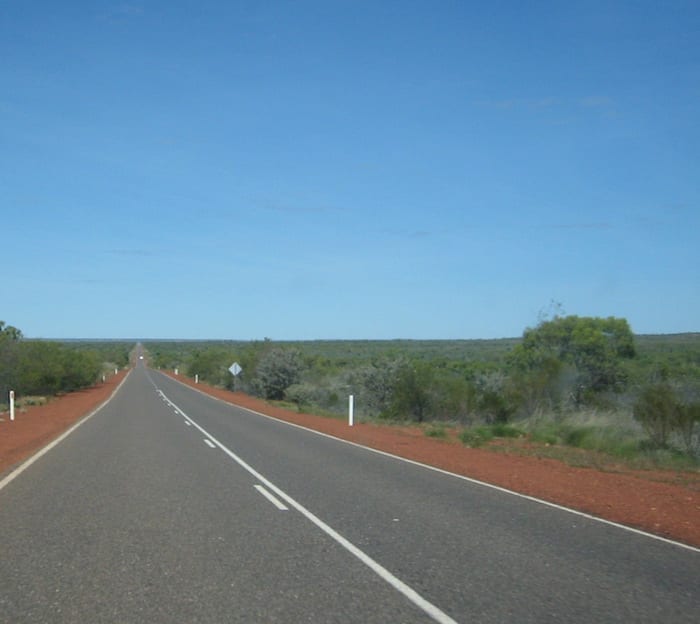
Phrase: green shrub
[502,430]
[278,368]
[476,436]
[657,409]
[577,436]
[544,435]
[436,431]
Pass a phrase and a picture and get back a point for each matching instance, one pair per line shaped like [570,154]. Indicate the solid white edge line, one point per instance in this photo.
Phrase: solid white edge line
[533,499]
[271,498]
[428,607]
[22,467]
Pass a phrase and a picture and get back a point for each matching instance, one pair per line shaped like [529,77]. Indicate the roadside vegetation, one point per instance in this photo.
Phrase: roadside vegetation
[578,385]
[36,369]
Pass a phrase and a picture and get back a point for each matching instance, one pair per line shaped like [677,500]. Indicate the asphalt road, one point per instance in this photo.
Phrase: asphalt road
[170,506]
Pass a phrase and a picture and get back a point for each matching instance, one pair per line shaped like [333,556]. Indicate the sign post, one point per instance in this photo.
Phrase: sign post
[235,369]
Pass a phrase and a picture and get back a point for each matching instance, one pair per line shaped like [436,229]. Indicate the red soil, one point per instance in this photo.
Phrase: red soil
[34,427]
[663,503]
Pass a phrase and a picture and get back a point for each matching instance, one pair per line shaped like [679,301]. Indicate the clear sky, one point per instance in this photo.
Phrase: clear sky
[318,169]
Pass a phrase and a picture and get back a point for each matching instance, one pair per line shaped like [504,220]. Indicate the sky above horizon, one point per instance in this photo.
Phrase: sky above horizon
[347,168]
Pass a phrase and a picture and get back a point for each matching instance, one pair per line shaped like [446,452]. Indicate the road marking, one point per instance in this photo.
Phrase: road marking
[428,607]
[271,498]
[503,490]
[188,423]
[533,499]
[22,467]
[209,443]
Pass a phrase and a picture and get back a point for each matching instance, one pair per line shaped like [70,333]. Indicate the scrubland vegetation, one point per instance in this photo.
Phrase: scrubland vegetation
[568,382]
[36,368]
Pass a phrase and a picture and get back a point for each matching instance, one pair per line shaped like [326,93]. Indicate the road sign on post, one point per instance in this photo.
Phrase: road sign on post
[235,369]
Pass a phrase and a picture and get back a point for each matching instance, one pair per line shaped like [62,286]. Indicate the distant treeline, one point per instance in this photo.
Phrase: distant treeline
[562,366]
[42,367]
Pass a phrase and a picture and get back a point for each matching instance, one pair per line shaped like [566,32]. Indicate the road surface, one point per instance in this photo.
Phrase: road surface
[170,506]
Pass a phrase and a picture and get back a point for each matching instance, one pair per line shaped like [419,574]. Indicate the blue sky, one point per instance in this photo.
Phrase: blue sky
[347,168]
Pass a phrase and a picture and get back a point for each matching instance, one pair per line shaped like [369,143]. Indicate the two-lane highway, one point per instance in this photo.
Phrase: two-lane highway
[170,506]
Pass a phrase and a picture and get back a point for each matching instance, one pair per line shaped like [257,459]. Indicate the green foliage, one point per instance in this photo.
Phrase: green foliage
[39,367]
[454,398]
[502,430]
[375,383]
[211,365]
[411,392]
[436,431]
[9,348]
[476,436]
[593,348]
[565,368]
[687,424]
[49,368]
[80,369]
[301,394]
[657,409]
[277,369]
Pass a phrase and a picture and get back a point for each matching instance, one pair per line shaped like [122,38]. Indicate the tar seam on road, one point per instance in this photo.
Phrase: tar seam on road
[534,499]
[22,467]
[427,607]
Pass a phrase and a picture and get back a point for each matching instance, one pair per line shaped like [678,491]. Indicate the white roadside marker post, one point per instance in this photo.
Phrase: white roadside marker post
[351,410]
[196,378]
[12,404]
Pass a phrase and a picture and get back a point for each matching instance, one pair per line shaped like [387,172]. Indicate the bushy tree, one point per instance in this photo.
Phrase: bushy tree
[657,409]
[40,368]
[80,369]
[211,364]
[43,367]
[301,394]
[9,353]
[411,394]
[375,383]
[594,348]
[687,424]
[455,398]
[277,369]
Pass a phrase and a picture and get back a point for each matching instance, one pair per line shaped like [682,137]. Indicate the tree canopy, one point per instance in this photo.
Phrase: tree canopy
[590,350]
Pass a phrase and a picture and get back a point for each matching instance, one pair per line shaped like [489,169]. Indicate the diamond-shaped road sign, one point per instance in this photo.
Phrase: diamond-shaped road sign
[235,369]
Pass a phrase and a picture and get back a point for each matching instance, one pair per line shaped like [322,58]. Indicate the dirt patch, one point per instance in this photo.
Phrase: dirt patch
[663,503]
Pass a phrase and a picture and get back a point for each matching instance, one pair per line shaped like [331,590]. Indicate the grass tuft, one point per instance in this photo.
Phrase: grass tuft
[436,430]
[476,436]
